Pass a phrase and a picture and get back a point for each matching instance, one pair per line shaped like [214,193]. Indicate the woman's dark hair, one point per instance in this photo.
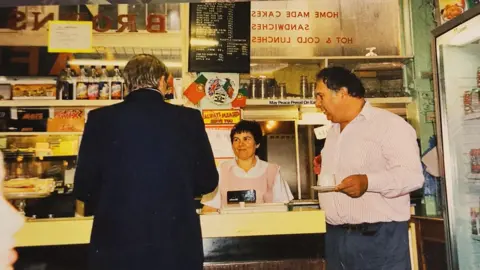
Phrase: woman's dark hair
[247,126]
[337,77]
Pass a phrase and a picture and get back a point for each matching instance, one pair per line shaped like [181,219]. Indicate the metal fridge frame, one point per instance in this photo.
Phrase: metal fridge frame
[442,134]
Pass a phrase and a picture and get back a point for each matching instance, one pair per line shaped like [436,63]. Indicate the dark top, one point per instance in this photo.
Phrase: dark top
[140,165]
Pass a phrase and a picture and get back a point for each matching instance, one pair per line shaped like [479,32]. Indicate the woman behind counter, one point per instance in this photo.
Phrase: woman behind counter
[247,171]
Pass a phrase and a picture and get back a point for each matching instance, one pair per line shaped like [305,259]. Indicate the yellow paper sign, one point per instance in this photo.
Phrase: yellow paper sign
[70,37]
[221,117]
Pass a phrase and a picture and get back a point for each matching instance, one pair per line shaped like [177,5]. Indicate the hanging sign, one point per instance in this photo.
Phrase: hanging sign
[221,117]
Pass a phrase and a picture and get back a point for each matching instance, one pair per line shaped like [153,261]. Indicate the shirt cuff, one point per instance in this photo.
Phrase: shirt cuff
[376,182]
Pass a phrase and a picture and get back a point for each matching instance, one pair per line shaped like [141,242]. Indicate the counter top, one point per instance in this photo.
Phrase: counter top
[68,231]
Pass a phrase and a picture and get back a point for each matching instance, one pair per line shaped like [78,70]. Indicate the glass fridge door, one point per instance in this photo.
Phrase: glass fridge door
[458,58]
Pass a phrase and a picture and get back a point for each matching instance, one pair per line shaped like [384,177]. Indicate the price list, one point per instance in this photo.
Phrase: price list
[219,37]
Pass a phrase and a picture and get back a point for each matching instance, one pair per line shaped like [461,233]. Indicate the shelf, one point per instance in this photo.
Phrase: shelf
[318,59]
[66,103]
[311,102]
[474,176]
[472,116]
[39,133]
[27,80]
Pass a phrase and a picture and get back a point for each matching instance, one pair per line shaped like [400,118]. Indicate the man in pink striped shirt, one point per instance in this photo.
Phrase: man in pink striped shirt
[372,157]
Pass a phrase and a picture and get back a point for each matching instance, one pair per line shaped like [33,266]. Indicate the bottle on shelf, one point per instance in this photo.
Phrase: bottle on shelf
[82,84]
[93,86]
[68,95]
[104,84]
[61,84]
[117,84]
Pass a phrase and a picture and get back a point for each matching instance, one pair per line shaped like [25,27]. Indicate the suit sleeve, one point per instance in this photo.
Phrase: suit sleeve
[205,171]
[87,174]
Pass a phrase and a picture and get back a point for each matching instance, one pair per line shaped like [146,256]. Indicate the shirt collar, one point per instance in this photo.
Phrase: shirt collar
[257,163]
[366,111]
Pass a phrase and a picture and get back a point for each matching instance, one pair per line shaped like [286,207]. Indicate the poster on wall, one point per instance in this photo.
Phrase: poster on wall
[449,9]
[222,117]
[70,37]
[219,37]
[306,28]
[219,137]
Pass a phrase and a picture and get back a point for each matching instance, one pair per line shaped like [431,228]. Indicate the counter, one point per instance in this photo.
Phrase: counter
[68,231]
[276,240]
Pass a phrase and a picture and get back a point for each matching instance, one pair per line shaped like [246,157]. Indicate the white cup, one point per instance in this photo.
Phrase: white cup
[326,180]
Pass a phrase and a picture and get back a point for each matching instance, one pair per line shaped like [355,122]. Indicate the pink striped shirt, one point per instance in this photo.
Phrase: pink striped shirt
[382,146]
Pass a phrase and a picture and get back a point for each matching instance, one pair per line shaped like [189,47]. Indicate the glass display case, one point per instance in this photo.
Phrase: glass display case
[457,56]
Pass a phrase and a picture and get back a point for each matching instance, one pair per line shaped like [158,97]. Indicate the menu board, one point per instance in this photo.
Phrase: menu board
[219,39]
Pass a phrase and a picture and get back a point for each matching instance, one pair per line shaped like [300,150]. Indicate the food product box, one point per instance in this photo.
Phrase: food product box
[34,91]
[67,120]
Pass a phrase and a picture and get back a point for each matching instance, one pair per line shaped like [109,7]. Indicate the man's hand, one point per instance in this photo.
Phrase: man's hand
[354,185]
[208,209]
[317,164]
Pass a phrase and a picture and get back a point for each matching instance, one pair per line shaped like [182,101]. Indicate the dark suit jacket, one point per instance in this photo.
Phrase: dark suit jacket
[140,165]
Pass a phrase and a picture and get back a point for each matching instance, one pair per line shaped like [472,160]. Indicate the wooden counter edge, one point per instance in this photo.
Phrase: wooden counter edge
[70,231]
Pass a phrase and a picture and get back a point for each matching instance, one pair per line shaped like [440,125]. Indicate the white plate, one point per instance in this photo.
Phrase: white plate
[324,188]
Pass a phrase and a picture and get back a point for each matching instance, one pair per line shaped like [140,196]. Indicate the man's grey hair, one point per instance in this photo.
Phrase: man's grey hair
[144,71]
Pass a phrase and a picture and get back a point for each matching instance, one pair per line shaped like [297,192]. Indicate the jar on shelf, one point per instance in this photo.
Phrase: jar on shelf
[271,86]
[252,87]
[312,87]
[303,86]
[282,90]
[263,87]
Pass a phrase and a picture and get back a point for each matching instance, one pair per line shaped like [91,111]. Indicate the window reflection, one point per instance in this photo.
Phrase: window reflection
[141,12]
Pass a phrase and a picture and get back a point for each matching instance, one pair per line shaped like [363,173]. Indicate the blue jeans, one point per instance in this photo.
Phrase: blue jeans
[384,246]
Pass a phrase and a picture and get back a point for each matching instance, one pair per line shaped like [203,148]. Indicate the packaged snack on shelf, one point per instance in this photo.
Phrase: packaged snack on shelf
[34,91]
[5,91]
[478,77]
[475,161]
[471,102]
[475,220]
[67,120]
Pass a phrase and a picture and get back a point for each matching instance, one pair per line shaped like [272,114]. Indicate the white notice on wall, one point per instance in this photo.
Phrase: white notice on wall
[219,137]
[70,36]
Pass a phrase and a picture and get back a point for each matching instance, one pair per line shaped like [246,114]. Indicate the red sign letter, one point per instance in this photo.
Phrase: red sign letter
[156,19]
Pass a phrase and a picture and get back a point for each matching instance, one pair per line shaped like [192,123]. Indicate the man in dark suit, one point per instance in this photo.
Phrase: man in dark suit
[140,165]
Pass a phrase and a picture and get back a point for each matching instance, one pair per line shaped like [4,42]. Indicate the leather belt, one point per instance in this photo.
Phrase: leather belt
[363,228]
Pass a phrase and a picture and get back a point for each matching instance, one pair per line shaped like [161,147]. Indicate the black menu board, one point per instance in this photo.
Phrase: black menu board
[219,37]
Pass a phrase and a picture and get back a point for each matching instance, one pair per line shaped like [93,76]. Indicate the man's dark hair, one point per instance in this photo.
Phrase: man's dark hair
[337,77]
[252,127]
